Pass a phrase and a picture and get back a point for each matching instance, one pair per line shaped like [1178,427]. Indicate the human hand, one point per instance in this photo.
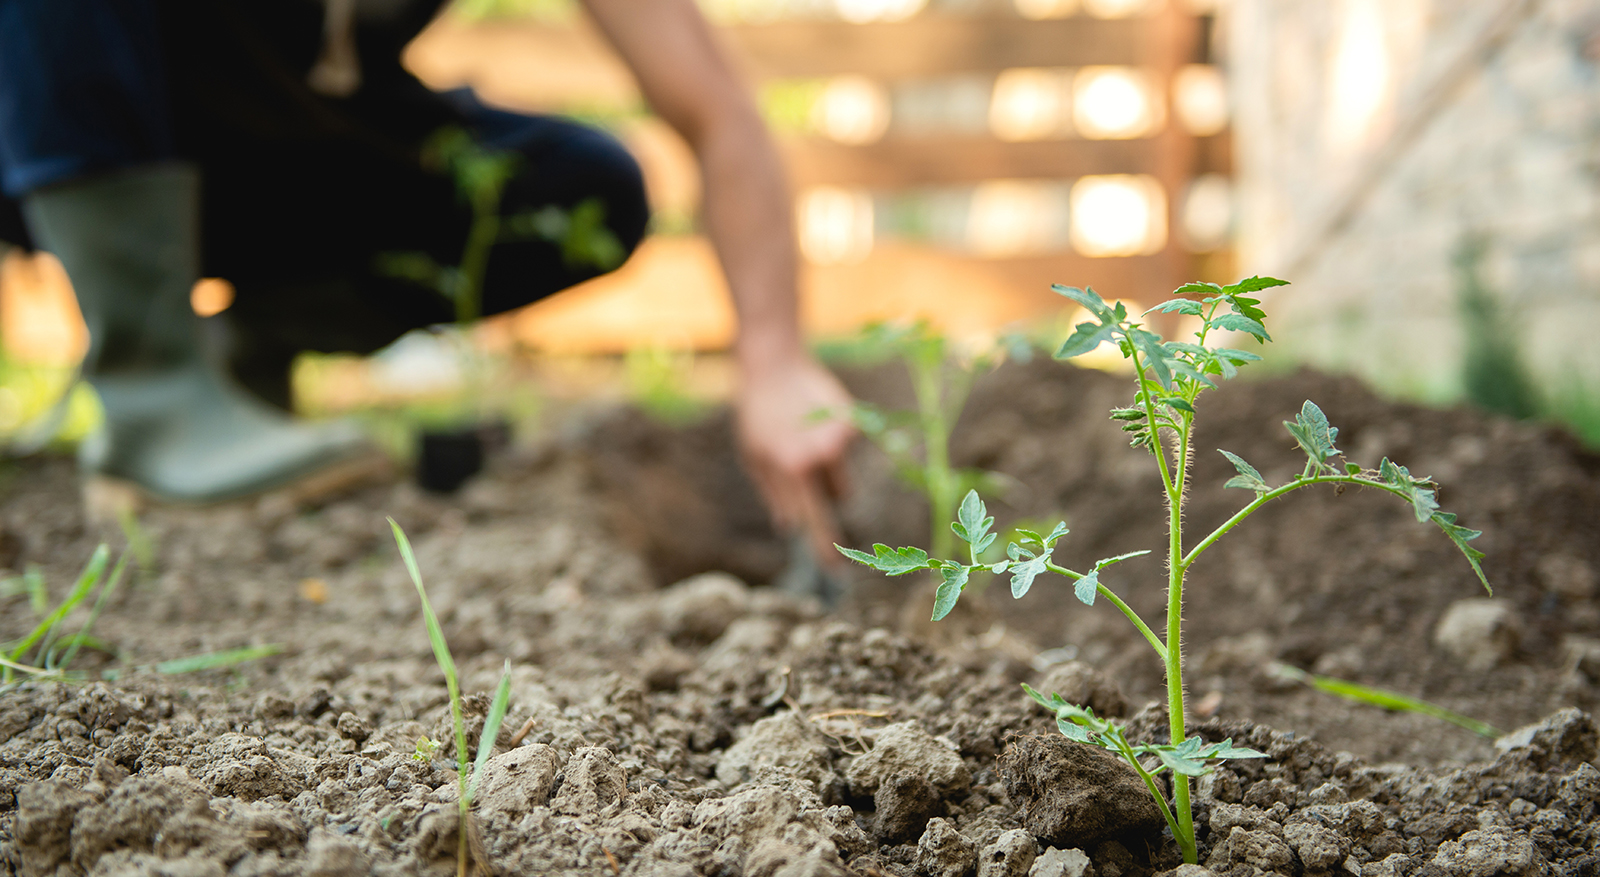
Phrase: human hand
[795,457]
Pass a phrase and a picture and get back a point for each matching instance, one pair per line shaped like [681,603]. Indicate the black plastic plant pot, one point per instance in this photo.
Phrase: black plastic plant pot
[448,458]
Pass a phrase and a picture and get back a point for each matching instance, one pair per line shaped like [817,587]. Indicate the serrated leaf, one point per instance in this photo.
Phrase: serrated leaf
[1178,403]
[1422,499]
[1238,356]
[1461,536]
[1155,356]
[1057,532]
[1311,431]
[1241,323]
[1023,574]
[1188,767]
[1084,338]
[895,562]
[1179,305]
[955,578]
[1051,703]
[1086,588]
[1197,288]
[1248,478]
[1016,552]
[1226,749]
[1192,373]
[1254,284]
[1072,731]
[1089,299]
[983,544]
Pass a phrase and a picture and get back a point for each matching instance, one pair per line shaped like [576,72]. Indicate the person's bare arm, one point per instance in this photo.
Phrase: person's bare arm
[794,458]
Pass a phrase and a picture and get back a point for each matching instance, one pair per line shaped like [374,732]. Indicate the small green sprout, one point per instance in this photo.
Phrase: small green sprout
[1170,376]
[426,747]
[467,771]
[1384,698]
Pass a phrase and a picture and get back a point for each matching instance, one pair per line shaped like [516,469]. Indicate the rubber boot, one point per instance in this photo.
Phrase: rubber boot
[175,427]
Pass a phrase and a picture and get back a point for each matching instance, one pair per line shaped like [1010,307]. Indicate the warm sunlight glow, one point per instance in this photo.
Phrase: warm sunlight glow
[1115,8]
[1359,82]
[863,11]
[1038,10]
[1031,103]
[835,225]
[1200,99]
[1113,103]
[852,109]
[1014,217]
[1118,215]
[1207,212]
[211,296]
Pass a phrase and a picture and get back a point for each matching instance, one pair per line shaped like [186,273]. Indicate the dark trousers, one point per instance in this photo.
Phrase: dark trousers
[300,192]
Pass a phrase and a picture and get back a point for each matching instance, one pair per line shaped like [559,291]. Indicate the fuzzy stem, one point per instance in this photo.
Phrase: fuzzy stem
[1264,498]
[1176,567]
[1102,590]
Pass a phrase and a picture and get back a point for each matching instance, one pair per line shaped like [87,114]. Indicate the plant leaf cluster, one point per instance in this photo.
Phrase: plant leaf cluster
[1169,378]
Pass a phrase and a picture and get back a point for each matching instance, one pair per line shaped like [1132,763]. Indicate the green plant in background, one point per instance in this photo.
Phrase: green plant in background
[1492,373]
[1169,377]
[481,175]
[658,380]
[918,442]
[467,771]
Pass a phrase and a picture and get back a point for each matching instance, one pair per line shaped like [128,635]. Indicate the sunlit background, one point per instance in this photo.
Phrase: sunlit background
[950,159]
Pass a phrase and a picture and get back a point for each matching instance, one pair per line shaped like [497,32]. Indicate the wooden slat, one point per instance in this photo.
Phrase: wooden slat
[898,162]
[935,45]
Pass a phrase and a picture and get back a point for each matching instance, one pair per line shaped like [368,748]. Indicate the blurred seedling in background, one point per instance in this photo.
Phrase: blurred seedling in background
[468,770]
[917,442]
[46,652]
[1169,377]
[481,175]
[1382,698]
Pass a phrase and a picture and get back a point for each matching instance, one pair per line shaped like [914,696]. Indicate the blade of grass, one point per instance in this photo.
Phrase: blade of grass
[441,651]
[139,542]
[94,613]
[1379,697]
[86,580]
[216,660]
[491,730]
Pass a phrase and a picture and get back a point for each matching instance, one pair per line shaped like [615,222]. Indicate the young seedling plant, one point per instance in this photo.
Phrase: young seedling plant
[1169,376]
[918,442]
[468,770]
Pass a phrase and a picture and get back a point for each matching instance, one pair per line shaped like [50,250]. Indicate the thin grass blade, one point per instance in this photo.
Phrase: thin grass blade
[90,575]
[1390,700]
[491,729]
[82,635]
[216,660]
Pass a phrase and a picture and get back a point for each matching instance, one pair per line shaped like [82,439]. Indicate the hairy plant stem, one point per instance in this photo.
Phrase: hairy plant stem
[1176,567]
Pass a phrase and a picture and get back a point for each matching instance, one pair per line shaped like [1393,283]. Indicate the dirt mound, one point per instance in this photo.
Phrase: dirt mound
[715,727]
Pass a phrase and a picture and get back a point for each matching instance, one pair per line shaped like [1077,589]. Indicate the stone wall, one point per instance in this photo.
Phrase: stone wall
[1395,155]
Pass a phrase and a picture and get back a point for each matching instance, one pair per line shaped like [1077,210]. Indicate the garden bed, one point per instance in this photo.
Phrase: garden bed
[676,720]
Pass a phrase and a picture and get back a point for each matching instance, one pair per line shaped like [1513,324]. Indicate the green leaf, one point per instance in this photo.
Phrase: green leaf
[1422,501]
[893,561]
[1352,469]
[1086,588]
[1089,299]
[1050,703]
[1155,355]
[1198,288]
[1253,284]
[1179,764]
[1226,749]
[955,578]
[1073,731]
[1056,533]
[1241,323]
[1311,431]
[1178,403]
[1085,337]
[974,522]
[1179,305]
[1237,356]
[1461,536]
[1248,478]
[1023,574]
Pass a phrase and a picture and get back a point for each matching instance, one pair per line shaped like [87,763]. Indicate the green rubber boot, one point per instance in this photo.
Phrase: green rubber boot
[175,427]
